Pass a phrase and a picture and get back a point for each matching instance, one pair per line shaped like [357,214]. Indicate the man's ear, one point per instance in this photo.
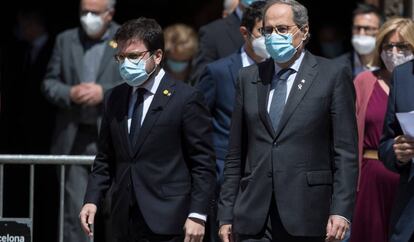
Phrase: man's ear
[305,32]
[110,15]
[244,32]
[158,56]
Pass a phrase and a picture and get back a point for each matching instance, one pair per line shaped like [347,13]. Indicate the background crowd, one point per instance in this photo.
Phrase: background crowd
[56,62]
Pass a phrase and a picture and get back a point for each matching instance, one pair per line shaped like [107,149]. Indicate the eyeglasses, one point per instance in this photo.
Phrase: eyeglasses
[367,29]
[401,46]
[280,29]
[134,57]
[84,12]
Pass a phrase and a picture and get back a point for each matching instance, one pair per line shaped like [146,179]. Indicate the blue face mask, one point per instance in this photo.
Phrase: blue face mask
[177,66]
[280,47]
[248,2]
[134,74]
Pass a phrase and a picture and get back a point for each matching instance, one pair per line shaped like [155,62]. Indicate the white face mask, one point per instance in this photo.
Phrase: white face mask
[92,23]
[363,44]
[391,59]
[259,47]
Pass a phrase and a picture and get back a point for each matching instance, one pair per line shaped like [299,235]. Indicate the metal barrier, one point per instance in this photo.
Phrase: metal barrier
[33,160]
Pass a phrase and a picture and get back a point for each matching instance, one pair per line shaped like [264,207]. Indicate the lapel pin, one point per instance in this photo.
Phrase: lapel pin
[113,44]
[303,81]
[166,93]
[300,86]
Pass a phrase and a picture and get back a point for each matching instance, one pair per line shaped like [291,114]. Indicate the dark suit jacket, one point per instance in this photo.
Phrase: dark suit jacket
[217,83]
[64,71]
[309,163]
[401,99]
[217,39]
[347,59]
[171,167]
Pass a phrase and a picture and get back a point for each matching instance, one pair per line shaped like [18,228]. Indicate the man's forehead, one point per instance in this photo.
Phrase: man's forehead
[94,4]
[370,19]
[279,14]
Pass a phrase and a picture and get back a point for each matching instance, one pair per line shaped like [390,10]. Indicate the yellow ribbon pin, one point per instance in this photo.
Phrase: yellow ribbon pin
[166,92]
[113,44]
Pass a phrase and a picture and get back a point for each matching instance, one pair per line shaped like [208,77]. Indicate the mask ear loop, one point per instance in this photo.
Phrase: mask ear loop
[301,42]
[155,67]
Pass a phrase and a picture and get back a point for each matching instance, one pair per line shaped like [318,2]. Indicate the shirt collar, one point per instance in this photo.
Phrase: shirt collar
[295,65]
[152,84]
[239,12]
[246,60]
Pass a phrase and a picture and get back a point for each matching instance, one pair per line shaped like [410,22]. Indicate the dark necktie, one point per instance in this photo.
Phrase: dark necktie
[137,114]
[279,96]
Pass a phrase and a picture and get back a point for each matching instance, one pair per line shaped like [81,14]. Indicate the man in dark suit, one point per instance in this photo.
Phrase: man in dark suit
[217,83]
[80,70]
[219,39]
[397,151]
[291,169]
[155,147]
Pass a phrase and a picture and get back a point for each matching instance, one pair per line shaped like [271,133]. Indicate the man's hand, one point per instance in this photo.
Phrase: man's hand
[225,233]
[404,148]
[194,230]
[87,216]
[89,94]
[76,93]
[336,228]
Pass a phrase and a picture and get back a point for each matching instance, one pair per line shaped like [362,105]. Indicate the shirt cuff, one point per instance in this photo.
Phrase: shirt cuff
[344,218]
[199,216]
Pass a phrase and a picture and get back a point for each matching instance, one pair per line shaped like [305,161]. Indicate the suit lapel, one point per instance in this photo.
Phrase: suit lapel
[122,117]
[107,55]
[266,72]
[304,78]
[154,111]
[77,55]
[235,66]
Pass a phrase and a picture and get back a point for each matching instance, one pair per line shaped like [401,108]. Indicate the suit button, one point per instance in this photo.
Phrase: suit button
[274,144]
[269,174]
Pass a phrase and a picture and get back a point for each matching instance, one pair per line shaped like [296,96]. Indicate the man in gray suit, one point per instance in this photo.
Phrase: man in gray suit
[80,70]
[291,169]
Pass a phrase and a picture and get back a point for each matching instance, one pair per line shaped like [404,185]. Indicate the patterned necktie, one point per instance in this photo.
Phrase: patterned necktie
[279,96]
[137,113]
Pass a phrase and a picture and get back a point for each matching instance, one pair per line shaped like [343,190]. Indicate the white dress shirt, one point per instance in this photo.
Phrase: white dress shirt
[246,60]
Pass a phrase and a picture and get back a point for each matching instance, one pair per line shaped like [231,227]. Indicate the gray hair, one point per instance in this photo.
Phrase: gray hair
[111,4]
[227,4]
[300,13]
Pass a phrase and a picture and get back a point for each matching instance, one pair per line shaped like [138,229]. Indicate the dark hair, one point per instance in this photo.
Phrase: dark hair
[252,14]
[365,8]
[144,29]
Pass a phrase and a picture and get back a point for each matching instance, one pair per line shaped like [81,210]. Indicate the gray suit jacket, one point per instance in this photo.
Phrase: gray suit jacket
[64,71]
[309,163]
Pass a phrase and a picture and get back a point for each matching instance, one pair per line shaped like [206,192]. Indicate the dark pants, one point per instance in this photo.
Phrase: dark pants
[138,230]
[275,231]
[212,225]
